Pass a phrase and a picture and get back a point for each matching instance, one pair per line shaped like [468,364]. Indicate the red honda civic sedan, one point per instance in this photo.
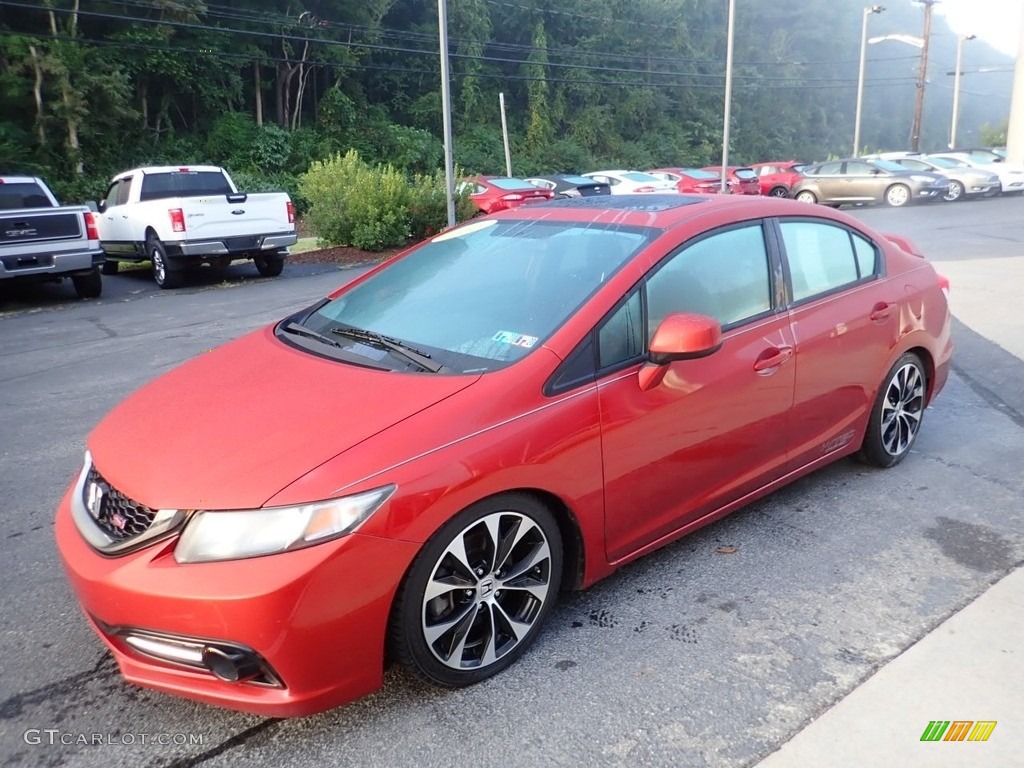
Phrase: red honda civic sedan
[414,467]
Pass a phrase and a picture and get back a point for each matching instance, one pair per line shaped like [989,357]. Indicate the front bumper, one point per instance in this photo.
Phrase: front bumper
[316,617]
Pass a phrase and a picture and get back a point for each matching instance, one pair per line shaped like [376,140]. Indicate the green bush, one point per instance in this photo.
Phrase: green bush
[352,203]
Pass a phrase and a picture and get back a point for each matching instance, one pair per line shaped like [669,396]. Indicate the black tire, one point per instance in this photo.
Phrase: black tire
[471,636]
[896,417]
[88,285]
[955,193]
[109,267]
[898,195]
[778,192]
[163,273]
[806,196]
[269,265]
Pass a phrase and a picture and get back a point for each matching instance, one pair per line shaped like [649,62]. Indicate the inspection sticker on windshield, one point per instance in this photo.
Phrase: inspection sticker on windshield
[515,339]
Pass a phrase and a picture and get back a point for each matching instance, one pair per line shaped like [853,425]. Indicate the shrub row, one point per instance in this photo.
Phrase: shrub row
[374,207]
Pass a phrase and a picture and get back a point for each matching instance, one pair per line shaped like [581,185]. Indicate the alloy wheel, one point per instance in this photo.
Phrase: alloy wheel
[486,591]
[902,409]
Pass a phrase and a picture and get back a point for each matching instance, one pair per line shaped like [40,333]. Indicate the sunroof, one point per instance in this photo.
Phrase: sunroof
[646,203]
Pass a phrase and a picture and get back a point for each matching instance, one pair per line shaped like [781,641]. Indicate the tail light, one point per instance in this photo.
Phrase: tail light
[944,284]
[90,226]
[291,212]
[645,189]
[177,219]
[512,198]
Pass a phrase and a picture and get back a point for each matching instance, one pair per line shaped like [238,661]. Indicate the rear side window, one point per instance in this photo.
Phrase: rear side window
[157,186]
[823,257]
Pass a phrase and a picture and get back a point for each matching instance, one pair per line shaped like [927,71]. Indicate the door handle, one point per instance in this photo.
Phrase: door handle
[772,358]
[882,311]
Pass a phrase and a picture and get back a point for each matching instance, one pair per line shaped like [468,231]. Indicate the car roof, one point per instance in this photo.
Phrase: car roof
[665,211]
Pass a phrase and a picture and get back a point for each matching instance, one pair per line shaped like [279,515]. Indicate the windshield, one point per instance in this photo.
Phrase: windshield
[745,173]
[482,296]
[948,162]
[510,183]
[638,176]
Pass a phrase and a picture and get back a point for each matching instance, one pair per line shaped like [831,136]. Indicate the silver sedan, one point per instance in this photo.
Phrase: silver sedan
[964,181]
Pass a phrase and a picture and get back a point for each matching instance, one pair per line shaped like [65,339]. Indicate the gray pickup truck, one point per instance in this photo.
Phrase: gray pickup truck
[42,240]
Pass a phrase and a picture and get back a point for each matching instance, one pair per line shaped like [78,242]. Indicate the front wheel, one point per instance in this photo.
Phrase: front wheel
[896,415]
[955,191]
[88,285]
[269,265]
[778,192]
[897,195]
[807,197]
[164,276]
[478,592]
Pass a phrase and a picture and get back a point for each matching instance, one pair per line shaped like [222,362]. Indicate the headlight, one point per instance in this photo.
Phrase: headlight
[924,179]
[237,534]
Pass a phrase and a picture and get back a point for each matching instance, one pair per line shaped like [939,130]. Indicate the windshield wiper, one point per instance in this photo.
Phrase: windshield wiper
[301,330]
[422,359]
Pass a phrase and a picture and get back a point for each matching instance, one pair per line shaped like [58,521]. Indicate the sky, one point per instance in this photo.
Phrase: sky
[997,22]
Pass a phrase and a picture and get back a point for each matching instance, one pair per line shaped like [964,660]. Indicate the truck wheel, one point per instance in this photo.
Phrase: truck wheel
[269,265]
[164,276]
[109,267]
[88,285]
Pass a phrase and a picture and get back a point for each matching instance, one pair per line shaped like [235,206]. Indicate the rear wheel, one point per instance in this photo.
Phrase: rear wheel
[163,274]
[896,415]
[955,192]
[897,195]
[478,592]
[269,265]
[807,197]
[88,285]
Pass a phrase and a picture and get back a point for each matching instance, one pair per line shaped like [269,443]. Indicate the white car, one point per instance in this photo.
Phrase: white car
[1011,177]
[632,182]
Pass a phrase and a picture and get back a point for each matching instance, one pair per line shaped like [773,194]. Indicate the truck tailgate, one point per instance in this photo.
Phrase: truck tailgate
[236,224]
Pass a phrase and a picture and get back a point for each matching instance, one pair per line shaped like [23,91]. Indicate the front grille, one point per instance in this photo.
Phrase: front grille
[117,516]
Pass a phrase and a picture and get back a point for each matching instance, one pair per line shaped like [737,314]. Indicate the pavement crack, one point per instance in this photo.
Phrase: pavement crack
[14,705]
[238,740]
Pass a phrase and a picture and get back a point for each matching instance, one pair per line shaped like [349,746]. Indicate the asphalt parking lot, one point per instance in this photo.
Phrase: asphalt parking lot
[710,652]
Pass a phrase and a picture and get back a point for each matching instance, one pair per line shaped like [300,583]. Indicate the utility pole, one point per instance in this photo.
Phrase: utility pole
[922,76]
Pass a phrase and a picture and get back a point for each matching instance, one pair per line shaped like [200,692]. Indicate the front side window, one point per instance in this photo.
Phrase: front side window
[724,275]
[824,257]
[482,296]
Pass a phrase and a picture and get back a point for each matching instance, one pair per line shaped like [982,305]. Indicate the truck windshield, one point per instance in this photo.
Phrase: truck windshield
[22,194]
[157,186]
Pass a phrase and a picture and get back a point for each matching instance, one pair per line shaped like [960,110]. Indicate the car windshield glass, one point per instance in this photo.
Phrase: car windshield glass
[510,183]
[578,180]
[745,173]
[484,295]
[697,173]
[946,162]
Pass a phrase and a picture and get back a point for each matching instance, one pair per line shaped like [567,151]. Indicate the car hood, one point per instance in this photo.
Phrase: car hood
[234,426]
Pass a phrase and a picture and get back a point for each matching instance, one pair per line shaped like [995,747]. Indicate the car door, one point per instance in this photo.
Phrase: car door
[115,226]
[845,317]
[864,182]
[715,429]
[830,181]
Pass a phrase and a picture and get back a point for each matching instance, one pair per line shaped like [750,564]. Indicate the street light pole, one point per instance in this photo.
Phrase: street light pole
[446,110]
[860,77]
[956,87]
[728,97]
[922,76]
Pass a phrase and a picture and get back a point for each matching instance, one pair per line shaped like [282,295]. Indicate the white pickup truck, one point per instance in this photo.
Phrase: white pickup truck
[181,216]
[41,240]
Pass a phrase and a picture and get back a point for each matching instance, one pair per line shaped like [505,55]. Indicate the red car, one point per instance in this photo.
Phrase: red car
[778,179]
[500,193]
[742,180]
[414,467]
[691,180]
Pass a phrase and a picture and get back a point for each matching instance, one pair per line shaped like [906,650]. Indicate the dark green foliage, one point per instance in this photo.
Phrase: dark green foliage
[588,84]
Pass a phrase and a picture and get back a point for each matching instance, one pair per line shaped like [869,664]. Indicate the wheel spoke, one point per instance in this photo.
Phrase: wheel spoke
[517,629]
[438,586]
[458,627]
[534,587]
[493,525]
[511,541]
[457,551]
[536,556]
